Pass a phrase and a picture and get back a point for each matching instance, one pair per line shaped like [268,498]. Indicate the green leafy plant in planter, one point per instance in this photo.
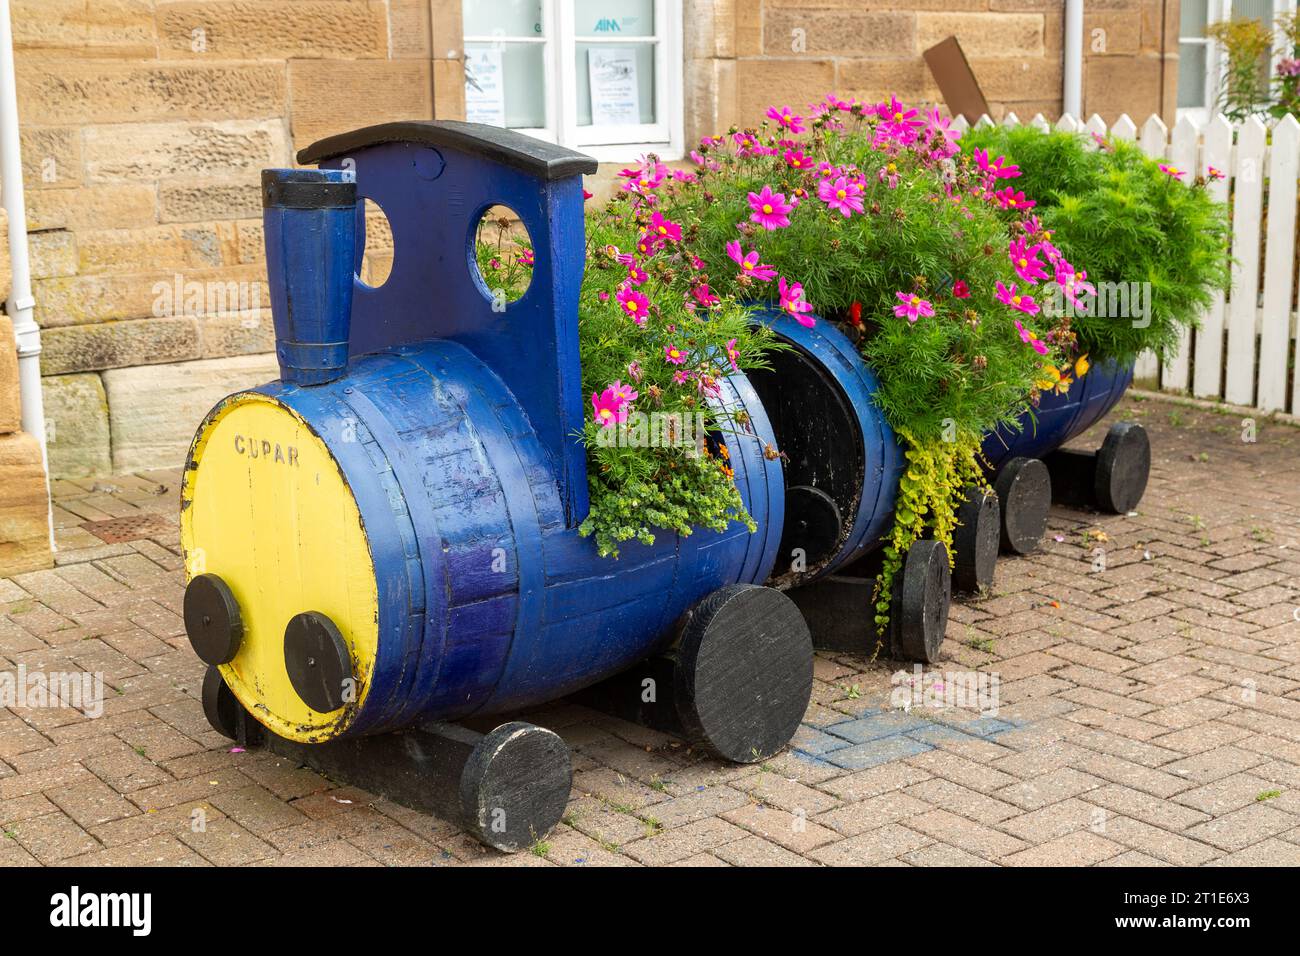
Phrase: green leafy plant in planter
[1144,228]
[867,214]
[655,344]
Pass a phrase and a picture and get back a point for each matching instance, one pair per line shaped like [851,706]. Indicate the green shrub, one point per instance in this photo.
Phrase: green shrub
[1129,219]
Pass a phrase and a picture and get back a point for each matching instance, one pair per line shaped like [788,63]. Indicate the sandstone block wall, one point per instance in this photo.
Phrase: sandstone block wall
[146,124]
[743,55]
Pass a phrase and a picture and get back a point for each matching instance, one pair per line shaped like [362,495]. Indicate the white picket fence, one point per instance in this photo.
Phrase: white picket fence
[1241,351]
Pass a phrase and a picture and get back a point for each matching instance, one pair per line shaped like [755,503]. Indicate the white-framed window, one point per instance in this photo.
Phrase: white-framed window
[600,76]
[1202,63]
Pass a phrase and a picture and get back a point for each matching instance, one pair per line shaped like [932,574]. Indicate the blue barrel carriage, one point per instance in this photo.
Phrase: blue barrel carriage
[385,540]
[1031,468]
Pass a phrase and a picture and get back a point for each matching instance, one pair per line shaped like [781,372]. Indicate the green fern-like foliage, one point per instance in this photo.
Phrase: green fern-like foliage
[1127,220]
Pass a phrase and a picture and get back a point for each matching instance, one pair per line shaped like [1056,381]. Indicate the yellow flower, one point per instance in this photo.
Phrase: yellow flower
[1049,380]
[1081,366]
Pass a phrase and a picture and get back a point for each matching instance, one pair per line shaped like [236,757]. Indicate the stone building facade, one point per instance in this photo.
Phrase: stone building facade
[146,123]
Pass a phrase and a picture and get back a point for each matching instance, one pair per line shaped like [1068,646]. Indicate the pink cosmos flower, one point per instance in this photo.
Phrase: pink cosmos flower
[674,356]
[960,289]
[940,134]
[636,275]
[1034,227]
[745,143]
[1032,340]
[661,227]
[842,195]
[769,209]
[732,354]
[1173,172]
[707,385]
[645,176]
[625,392]
[648,244]
[1216,174]
[609,408]
[749,264]
[898,122]
[634,303]
[912,307]
[1074,285]
[796,159]
[681,376]
[995,167]
[1016,299]
[786,119]
[704,295]
[526,258]
[793,302]
[634,370]
[1013,199]
[1024,259]
[701,160]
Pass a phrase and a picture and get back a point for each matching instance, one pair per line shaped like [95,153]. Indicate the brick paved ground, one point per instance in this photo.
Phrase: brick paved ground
[1149,713]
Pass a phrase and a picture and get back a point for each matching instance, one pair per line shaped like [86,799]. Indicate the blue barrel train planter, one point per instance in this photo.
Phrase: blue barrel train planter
[384,541]
[381,546]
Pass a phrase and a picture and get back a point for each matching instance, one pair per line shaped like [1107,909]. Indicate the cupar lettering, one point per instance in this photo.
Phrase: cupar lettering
[261,448]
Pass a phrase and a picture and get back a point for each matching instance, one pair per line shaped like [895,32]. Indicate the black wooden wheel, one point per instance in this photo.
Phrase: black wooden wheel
[515,786]
[1024,490]
[219,704]
[744,672]
[212,619]
[922,596]
[976,540]
[317,660]
[1123,466]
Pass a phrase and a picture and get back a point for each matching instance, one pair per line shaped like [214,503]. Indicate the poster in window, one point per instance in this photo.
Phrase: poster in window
[615,99]
[485,99]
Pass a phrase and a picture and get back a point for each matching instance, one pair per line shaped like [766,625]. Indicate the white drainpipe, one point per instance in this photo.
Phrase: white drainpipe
[19,306]
[1072,63]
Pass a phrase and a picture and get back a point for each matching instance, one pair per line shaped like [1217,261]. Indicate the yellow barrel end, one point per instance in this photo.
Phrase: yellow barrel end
[266,509]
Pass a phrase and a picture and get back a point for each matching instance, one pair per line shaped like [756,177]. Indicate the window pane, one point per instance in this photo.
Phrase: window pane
[1255,9]
[615,84]
[505,84]
[1191,75]
[1192,18]
[617,18]
[502,18]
